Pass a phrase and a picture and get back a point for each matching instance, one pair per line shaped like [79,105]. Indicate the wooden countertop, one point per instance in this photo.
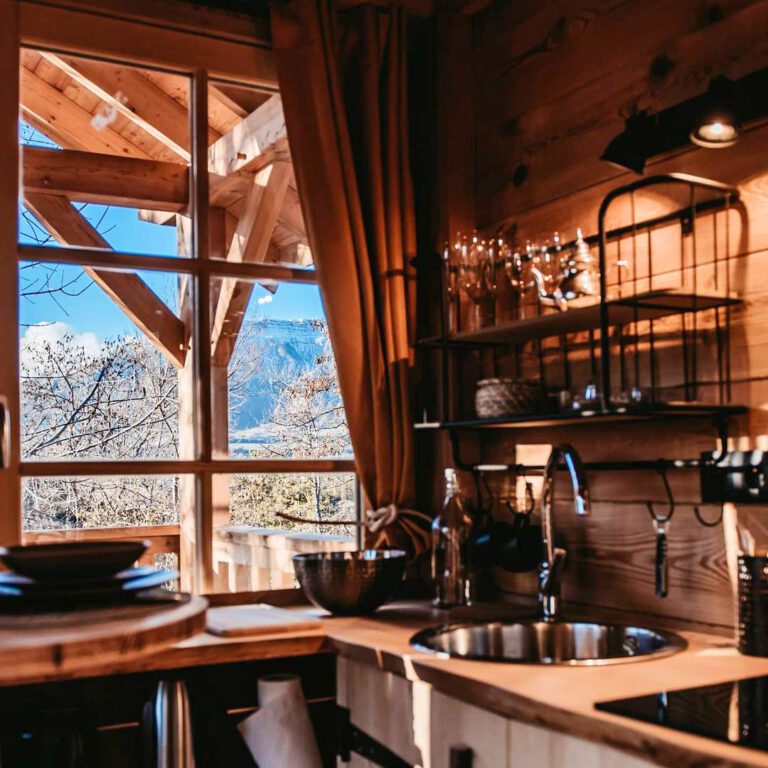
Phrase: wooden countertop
[560,698]
[563,698]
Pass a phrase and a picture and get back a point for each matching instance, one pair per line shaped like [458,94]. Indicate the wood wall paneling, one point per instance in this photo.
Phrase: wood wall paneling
[554,87]
[553,83]
[179,14]
[111,36]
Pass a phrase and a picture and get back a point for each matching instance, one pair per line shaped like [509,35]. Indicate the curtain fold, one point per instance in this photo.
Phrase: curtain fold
[344,90]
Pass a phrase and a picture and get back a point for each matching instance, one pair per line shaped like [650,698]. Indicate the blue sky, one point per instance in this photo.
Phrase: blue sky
[91,311]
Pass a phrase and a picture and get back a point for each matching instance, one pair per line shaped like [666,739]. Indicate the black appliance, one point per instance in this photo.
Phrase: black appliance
[735,712]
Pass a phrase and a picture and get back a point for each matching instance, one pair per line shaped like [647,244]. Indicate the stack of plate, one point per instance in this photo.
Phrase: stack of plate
[77,573]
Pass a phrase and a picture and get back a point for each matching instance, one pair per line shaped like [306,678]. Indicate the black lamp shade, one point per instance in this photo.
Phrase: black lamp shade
[713,119]
[631,148]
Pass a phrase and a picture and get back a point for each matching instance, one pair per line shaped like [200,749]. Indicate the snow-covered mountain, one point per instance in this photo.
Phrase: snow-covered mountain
[283,347]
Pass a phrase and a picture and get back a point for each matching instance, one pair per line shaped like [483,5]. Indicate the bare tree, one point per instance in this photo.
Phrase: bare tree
[85,398]
[117,400]
[306,420]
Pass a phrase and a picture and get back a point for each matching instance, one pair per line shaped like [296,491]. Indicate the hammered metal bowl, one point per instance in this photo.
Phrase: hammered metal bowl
[350,583]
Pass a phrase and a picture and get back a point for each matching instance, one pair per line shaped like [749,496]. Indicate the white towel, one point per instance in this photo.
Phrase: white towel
[279,734]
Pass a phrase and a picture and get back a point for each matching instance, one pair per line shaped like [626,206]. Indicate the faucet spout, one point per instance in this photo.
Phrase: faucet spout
[550,570]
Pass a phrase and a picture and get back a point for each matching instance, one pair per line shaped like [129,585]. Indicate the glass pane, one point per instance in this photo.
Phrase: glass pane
[276,392]
[274,516]
[101,355]
[255,206]
[105,154]
[75,503]
[60,509]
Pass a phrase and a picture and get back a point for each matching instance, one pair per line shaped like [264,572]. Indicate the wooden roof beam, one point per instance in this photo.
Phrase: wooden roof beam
[253,144]
[218,95]
[50,108]
[144,104]
[244,148]
[105,179]
[297,254]
[139,302]
[250,243]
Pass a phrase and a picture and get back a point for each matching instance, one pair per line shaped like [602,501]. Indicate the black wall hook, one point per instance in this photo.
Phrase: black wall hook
[661,527]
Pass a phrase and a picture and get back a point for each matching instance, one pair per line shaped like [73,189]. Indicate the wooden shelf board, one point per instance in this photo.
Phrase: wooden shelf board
[683,410]
[650,305]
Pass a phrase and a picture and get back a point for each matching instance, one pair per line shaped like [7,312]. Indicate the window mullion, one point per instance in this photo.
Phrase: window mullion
[119,261]
[201,336]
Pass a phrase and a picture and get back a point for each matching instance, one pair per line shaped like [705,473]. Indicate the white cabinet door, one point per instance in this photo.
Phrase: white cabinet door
[457,725]
[421,726]
[387,707]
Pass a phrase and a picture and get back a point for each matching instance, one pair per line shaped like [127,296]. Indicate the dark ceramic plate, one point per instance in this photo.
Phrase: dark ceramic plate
[57,584]
[47,562]
[28,591]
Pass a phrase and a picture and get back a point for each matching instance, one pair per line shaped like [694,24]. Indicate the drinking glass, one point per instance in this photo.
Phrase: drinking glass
[478,275]
[451,270]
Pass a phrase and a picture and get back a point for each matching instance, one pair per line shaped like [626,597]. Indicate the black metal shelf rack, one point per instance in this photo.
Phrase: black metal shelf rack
[613,313]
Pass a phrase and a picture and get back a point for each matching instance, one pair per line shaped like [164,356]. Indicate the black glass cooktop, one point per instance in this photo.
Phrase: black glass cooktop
[735,712]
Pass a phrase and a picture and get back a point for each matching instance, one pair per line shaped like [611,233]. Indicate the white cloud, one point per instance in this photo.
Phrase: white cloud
[265,299]
[53,332]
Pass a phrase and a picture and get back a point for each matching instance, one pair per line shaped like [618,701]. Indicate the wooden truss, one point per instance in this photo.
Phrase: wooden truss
[123,136]
[140,157]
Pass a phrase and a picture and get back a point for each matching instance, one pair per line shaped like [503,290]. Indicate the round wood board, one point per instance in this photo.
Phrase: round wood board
[55,644]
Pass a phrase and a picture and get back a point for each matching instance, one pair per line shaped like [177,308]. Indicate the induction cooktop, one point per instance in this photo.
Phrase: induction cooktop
[735,712]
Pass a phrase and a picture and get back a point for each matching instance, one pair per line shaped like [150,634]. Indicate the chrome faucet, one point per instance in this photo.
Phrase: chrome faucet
[551,568]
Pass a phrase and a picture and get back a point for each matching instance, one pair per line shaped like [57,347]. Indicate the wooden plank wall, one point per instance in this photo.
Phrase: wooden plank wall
[553,83]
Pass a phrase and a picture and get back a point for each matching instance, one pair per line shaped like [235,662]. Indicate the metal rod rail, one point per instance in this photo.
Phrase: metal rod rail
[626,465]
[657,465]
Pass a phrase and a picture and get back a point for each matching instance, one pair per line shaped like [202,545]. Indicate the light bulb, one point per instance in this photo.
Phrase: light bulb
[714,134]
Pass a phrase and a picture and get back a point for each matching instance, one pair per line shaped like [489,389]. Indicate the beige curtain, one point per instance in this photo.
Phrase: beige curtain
[343,85]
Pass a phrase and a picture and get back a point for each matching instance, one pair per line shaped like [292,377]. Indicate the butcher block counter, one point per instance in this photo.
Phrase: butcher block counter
[558,698]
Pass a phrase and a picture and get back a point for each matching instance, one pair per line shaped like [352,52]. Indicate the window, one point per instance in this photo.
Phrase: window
[176,380]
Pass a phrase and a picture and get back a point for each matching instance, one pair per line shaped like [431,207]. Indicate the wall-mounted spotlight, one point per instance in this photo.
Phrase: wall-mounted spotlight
[631,148]
[713,120]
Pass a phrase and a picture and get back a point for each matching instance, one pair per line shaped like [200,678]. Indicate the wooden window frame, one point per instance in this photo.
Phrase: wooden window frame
[75,28]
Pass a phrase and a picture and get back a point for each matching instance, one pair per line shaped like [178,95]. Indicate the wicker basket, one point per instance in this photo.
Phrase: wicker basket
[495,398]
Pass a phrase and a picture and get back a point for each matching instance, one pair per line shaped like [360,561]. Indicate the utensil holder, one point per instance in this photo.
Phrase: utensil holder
[753,605]
[170,727]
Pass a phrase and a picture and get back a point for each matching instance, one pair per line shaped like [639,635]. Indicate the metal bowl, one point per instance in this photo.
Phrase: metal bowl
[350,583]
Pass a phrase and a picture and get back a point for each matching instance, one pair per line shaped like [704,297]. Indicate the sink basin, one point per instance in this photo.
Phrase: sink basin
[549,642]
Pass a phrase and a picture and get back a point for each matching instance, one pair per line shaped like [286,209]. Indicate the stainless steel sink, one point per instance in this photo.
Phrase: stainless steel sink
[549,642]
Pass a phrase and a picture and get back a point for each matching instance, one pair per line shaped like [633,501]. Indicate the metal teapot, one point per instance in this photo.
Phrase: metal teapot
[578,276]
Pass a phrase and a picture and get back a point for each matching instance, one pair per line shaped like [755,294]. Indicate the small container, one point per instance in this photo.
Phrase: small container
[496,398]
[753,605]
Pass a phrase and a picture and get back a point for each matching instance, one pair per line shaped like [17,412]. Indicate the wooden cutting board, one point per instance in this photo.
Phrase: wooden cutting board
[257,619]
[36,646]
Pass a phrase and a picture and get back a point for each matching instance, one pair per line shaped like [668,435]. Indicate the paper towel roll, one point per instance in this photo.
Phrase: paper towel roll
[279,734]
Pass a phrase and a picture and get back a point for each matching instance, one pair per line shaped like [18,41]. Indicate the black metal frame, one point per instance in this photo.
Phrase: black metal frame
[687,218]
[725,196]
